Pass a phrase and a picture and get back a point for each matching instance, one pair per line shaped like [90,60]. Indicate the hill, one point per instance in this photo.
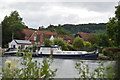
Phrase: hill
[87,28]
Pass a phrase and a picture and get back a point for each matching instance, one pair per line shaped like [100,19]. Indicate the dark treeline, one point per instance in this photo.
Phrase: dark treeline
[87,28]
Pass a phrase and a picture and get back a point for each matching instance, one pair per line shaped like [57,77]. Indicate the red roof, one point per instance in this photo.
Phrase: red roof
[66,37]
[29,35]
[47,33]
[85,36]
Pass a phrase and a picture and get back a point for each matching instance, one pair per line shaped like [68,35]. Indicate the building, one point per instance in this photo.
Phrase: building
[38,37]
[84,36]
[23,44]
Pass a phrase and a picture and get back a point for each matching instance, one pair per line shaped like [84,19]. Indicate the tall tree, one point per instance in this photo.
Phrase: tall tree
[11,25]
[61,31]
[113,27]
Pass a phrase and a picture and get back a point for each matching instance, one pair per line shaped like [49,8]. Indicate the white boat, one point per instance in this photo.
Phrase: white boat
[55,51]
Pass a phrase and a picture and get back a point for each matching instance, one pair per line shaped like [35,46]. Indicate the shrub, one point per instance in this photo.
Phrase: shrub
[111,52]
[30,69]
[78,43]
[48,42]
[100,72]
[61,42]
[87,44]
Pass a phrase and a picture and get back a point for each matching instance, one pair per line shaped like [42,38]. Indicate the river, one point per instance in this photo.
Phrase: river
[66,67]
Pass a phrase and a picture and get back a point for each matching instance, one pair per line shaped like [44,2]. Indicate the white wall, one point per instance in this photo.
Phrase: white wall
[13,43]
[17,45]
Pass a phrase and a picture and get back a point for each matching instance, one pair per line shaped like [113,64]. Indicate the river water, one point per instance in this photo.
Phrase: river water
[66,67]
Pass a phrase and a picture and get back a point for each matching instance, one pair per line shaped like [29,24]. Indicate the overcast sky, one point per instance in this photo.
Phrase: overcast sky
[43,13]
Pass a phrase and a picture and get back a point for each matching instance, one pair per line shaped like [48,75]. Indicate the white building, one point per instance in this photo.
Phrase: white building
[20,44]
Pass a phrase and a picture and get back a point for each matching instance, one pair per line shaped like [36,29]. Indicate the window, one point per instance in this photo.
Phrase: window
[35,37]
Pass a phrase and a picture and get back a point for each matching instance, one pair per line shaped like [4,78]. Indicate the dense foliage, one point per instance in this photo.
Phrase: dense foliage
[61,31]
[30,69]
[60,42]
[113,28]
[102,71]
[100,40]
[87,28]
[11,27]
[48,42]
[73,29]
[78,43]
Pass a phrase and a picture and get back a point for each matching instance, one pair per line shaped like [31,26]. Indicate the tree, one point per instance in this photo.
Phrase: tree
[100,40]
[60,42]
[61,31]
[11,25]
[113,27]
[87,44]
[78,43]
[48,42]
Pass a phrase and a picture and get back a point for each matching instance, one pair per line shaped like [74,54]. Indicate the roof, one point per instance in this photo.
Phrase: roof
[22,41]
[47,33]
[85,36]
[29,35]
[65,36]
[28,32]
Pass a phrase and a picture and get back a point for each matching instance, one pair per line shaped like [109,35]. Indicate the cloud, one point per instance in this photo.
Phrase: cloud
[36,14]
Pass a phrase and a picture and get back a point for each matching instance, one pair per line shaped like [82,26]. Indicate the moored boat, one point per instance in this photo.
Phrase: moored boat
[56,52]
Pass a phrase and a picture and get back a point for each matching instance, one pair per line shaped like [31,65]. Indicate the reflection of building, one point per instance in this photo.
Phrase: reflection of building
[20,44]
[37,37]
[84,36]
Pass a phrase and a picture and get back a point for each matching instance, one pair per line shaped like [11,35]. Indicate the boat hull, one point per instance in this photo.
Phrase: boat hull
[80,56]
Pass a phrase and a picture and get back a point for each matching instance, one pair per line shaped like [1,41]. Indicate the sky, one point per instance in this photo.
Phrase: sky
[37,13]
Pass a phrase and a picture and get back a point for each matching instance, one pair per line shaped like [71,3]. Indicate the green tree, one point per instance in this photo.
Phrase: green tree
[87,44]
[78,43]
[103,40]
[48,42]
[100,40]
[61,42]
[61,31]
[113,27]
[11,25]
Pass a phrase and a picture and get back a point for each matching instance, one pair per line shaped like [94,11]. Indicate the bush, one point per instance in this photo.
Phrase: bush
[100,72]
[87,44]
[78,43]
[30,69]
[111,52]
[61,42]
[48,42]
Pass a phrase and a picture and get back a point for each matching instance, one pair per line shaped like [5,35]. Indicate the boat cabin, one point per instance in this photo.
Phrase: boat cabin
[49,49]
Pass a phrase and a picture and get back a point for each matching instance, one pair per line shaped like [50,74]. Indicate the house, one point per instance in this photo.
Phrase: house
[20,44]
[38,37]
[84,36]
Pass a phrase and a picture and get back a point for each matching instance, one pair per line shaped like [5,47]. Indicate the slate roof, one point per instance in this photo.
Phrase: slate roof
[22,41]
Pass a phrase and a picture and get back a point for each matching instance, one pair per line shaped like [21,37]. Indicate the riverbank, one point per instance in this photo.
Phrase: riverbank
[102,57]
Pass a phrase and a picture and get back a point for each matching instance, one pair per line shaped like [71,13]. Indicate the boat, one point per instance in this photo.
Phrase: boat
[56,52]
[12,52]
